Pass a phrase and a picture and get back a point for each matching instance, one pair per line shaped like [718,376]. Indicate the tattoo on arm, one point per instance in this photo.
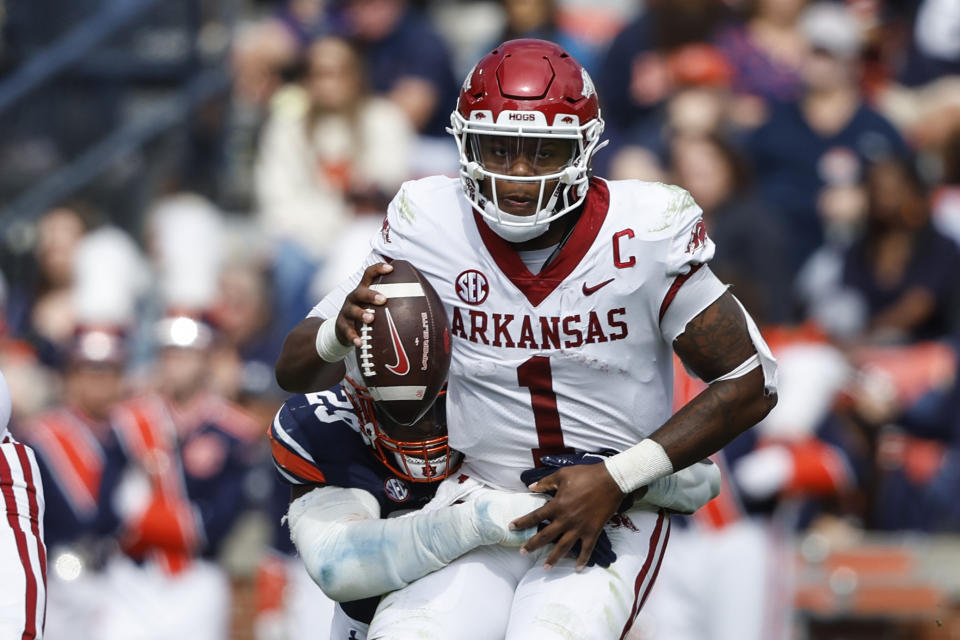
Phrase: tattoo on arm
[716,341]
[713,344]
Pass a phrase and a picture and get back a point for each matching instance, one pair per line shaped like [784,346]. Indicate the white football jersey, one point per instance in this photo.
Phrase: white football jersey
[577,356]
[6,405]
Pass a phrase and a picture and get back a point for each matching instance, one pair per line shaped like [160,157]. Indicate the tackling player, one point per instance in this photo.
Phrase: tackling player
[353,471]
[567,294]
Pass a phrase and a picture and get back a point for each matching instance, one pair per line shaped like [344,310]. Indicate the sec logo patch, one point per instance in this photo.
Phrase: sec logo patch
[396,489]
[472,286]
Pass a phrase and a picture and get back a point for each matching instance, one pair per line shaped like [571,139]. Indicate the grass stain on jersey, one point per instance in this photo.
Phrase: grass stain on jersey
[406,211]
[680,199]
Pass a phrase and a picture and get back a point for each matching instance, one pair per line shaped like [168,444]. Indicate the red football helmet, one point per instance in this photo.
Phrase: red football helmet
[419,452]
[529,98]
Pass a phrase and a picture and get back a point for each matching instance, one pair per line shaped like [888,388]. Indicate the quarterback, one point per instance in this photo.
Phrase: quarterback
[568,295]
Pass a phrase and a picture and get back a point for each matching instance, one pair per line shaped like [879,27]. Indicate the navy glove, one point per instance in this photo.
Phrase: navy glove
[603,553]
[552,462]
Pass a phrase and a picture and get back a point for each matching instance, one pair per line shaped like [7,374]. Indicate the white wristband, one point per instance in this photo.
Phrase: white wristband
[639,465]
[328,347]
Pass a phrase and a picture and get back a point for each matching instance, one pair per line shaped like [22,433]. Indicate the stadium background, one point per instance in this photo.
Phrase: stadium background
[227,160]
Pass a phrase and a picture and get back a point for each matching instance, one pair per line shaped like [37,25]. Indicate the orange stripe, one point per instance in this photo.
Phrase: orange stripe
[300,467]
[145,430]
[153,440]
[45,442]
[89,476]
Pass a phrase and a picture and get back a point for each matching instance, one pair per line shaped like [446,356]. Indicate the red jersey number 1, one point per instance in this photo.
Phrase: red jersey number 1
[535,375]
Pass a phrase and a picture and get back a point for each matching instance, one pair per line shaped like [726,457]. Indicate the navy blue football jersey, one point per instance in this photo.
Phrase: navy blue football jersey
[316,439]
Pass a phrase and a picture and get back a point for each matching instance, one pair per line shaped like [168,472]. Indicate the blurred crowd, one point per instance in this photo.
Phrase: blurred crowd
[821,139]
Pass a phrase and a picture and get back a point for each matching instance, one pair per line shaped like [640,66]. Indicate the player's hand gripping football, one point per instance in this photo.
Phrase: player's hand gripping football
[586,497]
[359,305]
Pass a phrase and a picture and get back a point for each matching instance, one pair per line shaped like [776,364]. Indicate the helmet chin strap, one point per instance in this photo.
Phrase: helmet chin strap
[512,233]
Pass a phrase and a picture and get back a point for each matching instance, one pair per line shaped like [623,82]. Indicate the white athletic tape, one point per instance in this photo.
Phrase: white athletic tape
[639,465]
[399,289]
[328,346]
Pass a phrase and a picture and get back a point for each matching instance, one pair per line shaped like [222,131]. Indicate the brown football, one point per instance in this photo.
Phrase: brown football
[405,354]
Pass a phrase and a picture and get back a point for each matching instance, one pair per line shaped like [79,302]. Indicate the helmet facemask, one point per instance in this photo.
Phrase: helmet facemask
[418,452]
[556,159]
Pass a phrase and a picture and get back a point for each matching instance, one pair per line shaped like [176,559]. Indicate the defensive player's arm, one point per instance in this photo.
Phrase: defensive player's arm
[313,352]
[684,491]
[351,553]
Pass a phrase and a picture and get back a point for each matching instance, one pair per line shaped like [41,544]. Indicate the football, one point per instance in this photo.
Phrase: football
[405,353]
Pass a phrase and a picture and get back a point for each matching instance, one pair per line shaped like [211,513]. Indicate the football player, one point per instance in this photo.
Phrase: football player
[353,471]
[23,555]
[567,295]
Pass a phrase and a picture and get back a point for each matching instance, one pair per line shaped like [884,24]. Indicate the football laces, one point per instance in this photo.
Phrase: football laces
[366,357]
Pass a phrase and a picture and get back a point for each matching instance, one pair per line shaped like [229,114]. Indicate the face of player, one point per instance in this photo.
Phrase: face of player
[418,452]
[521,157]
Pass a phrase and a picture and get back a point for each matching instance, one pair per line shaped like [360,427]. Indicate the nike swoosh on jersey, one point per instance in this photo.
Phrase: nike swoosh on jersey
[591,290]
[402,366]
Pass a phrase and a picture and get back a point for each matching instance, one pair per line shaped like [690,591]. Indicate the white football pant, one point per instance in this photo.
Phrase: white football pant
[23,588]
[496,592]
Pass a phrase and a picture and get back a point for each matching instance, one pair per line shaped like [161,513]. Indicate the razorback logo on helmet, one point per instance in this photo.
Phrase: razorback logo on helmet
[385,231]
[396,489]
[697,237]
[472,286]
